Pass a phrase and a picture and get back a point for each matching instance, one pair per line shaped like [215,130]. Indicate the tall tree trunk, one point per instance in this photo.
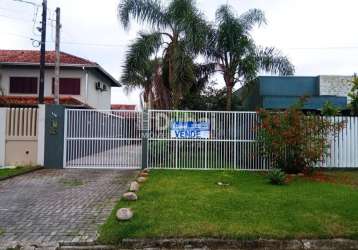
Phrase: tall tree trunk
[228,97]
[229,82]
[146,97]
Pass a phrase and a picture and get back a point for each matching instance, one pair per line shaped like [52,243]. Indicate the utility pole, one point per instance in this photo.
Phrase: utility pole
[57,66]
[42,52]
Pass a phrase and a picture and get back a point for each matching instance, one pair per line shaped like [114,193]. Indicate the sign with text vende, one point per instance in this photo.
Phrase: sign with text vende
[190,129]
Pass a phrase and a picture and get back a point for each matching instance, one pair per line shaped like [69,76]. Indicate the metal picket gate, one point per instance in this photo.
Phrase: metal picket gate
[109,139]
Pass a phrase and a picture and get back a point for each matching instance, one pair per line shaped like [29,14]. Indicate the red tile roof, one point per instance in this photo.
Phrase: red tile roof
[123,106]
[14,101]
[33,56]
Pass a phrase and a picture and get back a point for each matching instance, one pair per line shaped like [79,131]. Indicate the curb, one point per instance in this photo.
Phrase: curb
[304,244]
[23,173]
[316,244]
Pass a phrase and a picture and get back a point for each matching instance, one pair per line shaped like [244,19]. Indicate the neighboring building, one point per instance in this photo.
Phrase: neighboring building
[281,92]
[82,83]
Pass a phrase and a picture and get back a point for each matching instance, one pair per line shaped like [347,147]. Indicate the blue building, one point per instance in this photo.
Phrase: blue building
[281,92]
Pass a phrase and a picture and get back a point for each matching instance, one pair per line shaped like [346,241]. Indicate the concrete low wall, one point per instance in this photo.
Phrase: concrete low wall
[41,135]
[21,151]
[2,135]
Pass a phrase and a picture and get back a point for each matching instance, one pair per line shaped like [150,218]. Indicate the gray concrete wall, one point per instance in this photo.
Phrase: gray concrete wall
[335,85]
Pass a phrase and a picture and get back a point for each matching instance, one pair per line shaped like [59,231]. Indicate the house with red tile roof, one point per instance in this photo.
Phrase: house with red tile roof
[83,83]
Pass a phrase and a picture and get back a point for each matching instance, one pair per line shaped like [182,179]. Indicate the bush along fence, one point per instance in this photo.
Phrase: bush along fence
[163,139]
[296,142]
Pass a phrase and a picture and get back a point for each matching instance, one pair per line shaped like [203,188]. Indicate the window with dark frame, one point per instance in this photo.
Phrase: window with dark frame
[68,86]
[23,85]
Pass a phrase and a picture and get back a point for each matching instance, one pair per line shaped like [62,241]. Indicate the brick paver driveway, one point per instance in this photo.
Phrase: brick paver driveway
[49,206]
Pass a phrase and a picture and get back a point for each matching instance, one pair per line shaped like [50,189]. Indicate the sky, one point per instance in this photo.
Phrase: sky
[320,37]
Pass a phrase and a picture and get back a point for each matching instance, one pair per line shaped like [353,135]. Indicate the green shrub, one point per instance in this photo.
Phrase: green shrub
[354,96]
[330,110]
[294,141]
[277,177]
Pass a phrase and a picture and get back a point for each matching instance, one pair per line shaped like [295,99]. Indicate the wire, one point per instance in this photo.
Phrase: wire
[95,44]
[28,2]
[125,45]
[71,43]
[326,48]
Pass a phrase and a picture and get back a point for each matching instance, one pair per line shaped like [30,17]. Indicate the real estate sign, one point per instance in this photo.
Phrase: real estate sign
[190,129]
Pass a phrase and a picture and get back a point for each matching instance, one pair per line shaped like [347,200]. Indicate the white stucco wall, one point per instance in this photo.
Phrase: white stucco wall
[89,95]
[97,98]
[335,85]
[2,136]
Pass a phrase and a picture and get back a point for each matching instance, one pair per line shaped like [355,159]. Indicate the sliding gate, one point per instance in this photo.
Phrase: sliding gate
[102,139]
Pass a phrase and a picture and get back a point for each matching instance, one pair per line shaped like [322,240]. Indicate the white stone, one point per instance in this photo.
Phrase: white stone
[143,174]
[130,196]
[141,179]
[134,186]
[124,214]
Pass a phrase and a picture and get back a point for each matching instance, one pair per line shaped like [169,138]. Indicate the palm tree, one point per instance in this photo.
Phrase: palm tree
[233,50]
[179,31]
[145,74]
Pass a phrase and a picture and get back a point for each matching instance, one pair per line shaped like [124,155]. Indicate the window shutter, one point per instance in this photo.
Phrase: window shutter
[23,85]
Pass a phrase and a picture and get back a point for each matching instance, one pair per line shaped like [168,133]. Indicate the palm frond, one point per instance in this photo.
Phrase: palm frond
[251,18]
[271,60]
[148,11]
[224,14]
[203,73]
[190,22]
[138,67]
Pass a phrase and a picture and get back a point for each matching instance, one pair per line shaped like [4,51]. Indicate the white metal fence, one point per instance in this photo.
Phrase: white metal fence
[229,144]
[343,151]
[113,139]
[102,139]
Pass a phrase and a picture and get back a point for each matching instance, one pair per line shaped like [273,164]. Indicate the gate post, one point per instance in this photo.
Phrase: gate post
[54,136]
[3,128]
[145,135]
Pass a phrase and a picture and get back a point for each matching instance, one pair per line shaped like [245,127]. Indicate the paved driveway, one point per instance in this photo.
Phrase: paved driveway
[58,205]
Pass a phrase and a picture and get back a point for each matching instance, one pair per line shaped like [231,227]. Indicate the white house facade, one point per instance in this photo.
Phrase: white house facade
[84,82]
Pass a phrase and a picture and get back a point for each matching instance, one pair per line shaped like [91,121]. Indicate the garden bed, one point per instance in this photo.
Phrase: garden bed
[190,204]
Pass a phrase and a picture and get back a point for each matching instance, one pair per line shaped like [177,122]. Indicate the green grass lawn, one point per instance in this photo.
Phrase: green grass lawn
[191,204]
[8,172]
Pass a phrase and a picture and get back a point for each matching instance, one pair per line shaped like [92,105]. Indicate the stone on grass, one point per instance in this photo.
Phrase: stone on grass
[141,179]
[146,170]
[124,214]
[143,174]
[134,187]
[130,196]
